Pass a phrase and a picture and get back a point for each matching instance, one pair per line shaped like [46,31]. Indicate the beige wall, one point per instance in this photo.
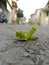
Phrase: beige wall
[13,15]
[43,17]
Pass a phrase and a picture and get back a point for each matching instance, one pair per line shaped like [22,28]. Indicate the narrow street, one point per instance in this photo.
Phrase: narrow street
[22,53]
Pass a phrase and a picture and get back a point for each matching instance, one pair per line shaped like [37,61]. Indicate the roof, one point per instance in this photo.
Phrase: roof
[46,8]
[47,3]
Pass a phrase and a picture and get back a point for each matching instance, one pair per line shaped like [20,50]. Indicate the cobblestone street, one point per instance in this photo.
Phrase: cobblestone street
[24,53]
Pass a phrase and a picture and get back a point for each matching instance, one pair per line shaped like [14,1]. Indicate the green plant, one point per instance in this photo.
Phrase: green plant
[30,33]
[23,36]
[20,35]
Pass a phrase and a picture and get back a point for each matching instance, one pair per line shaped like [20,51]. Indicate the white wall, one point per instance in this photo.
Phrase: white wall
[8,7]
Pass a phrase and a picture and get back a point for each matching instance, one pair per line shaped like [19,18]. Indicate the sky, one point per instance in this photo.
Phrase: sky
[29,6]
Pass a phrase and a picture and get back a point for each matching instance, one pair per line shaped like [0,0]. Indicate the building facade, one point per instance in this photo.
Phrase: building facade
[41,15]
[9,8]
[45,14]
[34,18]
[12,8]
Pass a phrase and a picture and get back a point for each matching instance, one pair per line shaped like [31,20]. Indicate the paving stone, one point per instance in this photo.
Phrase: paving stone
[24,53]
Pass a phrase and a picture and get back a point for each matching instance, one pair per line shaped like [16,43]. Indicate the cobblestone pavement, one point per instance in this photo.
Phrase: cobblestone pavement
[23,53]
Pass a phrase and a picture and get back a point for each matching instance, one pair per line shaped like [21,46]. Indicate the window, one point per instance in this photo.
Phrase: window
[0,10]
[48,6]
[47,13]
